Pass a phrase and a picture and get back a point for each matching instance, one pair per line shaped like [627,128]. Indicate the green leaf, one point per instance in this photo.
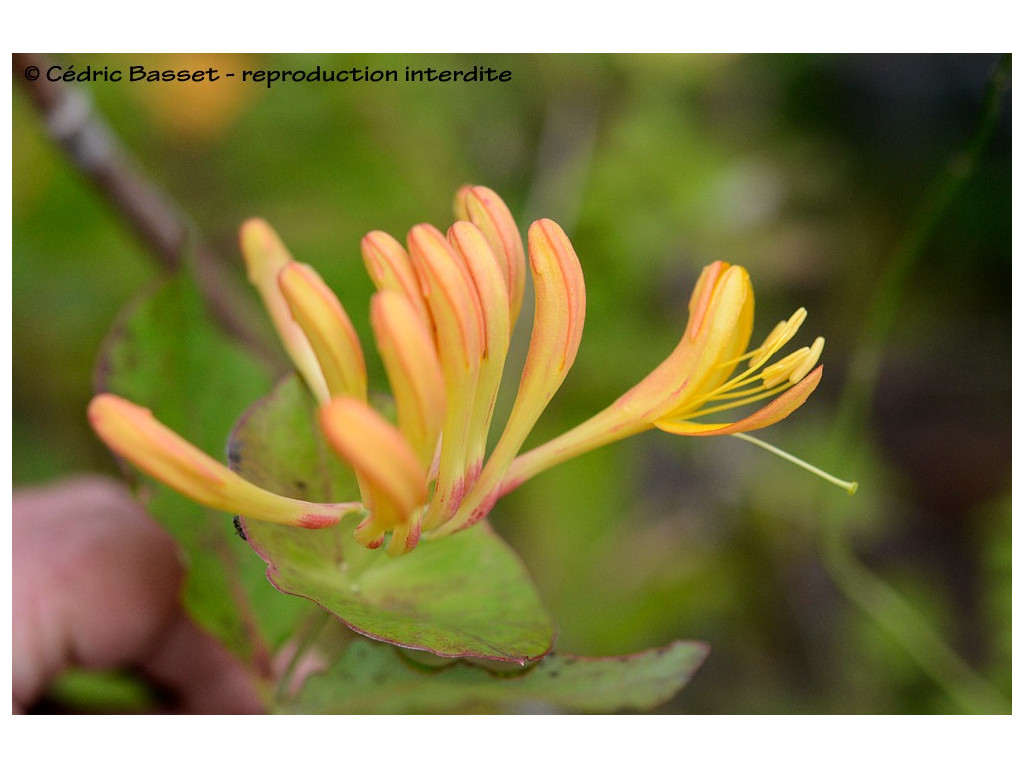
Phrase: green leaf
[373,679]
[166,354]
[464,595]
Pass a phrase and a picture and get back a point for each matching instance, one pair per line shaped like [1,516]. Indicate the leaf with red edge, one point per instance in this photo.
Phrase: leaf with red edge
[372,679]
[467,594]
[166,354]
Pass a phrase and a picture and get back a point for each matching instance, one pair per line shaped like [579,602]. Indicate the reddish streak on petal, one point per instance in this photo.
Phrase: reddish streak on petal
[700,302]
[315,521]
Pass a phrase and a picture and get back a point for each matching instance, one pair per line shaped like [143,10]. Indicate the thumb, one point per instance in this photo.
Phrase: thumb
[96,584]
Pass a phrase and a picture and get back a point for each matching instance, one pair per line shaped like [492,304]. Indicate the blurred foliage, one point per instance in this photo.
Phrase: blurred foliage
[805,169]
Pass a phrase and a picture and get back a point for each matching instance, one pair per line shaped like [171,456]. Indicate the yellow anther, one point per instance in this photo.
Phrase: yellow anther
[778,373]
[809,361]
[778,338]
[794,366]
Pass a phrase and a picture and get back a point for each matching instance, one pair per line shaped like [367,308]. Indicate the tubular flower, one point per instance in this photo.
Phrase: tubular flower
[703,375]
[442,318]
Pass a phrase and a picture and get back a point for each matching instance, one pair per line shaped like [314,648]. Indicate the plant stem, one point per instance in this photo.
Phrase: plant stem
[867,590]
[909,628]
[885,302]
[95,150]
[315,626]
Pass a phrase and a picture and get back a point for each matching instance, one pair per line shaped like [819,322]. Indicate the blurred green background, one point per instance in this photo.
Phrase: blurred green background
[805,169]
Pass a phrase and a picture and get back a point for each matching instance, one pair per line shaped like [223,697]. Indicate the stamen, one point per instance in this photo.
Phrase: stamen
[757,392]
[809,362]
[789,399]
[778,338]
[776,377]
[761,354]
[761,394]
[777,373]
[725,390]
[849,486]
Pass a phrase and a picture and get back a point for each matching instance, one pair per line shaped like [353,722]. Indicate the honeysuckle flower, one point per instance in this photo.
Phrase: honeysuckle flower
[442,319]
[132,431]
[699,377]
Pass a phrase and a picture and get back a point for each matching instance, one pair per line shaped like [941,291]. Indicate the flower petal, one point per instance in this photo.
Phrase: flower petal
[459,327]
[406,536]
[265,256]
[484,208]
[413,369]
[328,329]
[559,311]
[132,432]
[452,299]
[716,336]
[388,265]
[385,462]
[469,244]
[721,317]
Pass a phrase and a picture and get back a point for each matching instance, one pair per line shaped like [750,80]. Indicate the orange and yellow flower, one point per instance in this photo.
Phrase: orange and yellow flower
[442,319]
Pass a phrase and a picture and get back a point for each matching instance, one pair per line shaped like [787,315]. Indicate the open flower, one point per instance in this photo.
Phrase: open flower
[703,375]
[442,318]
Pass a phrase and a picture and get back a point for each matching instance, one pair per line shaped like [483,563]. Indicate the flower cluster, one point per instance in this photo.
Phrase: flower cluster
[442,318]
